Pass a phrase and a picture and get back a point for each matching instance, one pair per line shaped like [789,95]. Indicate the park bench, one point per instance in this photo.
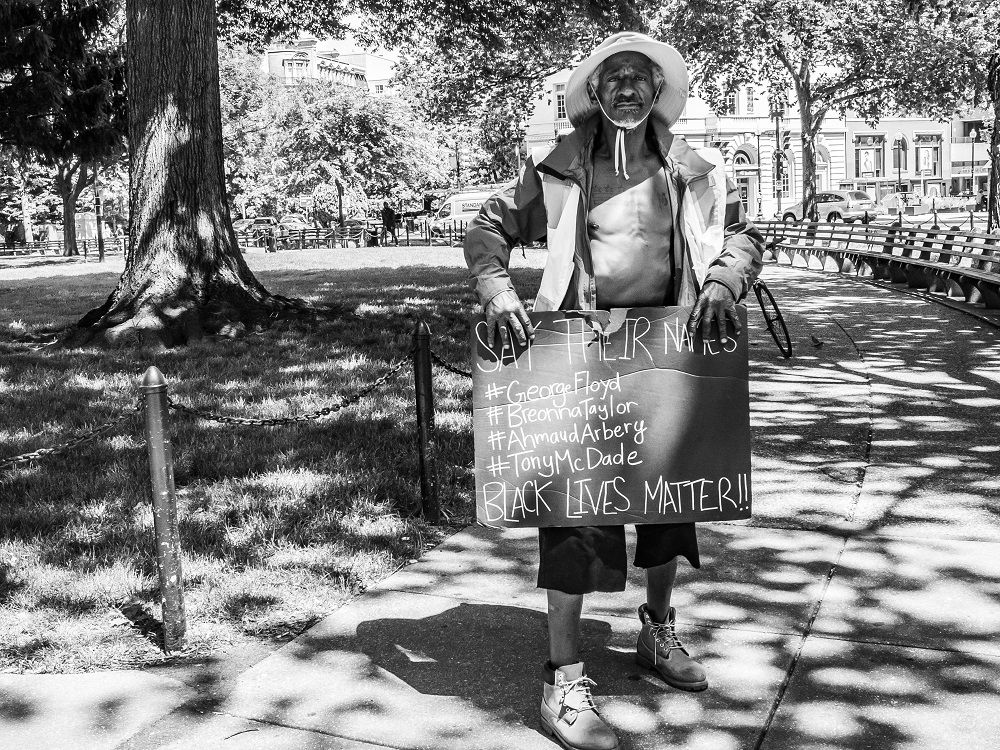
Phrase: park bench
[950,261]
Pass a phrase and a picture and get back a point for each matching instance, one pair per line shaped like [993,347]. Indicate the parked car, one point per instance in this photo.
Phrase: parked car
[294,222]
[837,205]
[262,225]
[240,225]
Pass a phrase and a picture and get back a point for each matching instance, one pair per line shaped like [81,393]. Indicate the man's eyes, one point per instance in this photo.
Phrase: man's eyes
[615,79]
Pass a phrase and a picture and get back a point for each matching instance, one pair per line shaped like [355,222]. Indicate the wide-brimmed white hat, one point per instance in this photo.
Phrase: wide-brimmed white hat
[673,94]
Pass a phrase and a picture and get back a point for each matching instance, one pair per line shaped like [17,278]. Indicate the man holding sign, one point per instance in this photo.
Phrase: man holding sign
[634,217]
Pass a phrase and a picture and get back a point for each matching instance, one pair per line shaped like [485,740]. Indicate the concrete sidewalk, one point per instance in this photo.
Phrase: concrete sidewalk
[859,608]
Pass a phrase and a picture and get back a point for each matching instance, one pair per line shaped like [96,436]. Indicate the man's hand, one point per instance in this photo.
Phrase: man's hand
[715,303]
[505,310]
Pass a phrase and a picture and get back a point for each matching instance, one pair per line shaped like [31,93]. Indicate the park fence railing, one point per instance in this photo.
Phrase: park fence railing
[155,404]
[85,247]
[409,233]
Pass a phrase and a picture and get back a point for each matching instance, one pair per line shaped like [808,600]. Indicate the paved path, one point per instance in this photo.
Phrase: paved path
[859,608]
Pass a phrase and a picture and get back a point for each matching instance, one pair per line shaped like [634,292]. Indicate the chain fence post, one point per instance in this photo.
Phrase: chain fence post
[427,444]
[161,475]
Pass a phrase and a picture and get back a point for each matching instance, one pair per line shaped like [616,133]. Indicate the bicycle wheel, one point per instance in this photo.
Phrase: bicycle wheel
[772,316]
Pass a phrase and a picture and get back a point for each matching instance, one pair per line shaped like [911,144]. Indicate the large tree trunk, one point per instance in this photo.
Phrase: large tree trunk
[809,206]
[993,189]
[184,274]
[807,118]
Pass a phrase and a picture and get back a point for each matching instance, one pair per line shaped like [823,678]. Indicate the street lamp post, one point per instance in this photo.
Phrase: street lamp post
[897,145]
[756,133]
[972,170]
[99,214]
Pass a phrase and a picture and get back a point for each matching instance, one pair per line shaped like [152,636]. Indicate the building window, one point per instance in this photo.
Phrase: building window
[928,155]
[929,161]
[295,69]
[750,97]
[730,104]
[899,155]
[869,156]
[560,90]
[969,125]
[379,88]
[787,179]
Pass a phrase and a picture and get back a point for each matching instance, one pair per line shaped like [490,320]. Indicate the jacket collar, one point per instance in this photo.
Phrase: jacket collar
[569,157]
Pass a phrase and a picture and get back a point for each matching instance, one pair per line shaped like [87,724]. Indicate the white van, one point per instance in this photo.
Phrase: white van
[457,210]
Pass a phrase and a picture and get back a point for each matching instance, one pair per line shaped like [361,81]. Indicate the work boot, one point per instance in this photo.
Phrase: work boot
[658,648]
[569,713]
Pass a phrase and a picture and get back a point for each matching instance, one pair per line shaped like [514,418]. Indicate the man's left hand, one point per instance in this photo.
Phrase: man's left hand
[715,304]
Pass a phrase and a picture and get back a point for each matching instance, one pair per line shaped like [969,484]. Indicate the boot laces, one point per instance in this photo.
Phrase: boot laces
[665,635]
[576,696]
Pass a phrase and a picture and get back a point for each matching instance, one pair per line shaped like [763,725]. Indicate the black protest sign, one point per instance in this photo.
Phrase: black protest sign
[611,418]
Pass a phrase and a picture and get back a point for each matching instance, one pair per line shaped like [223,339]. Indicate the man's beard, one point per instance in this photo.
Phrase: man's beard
[629,118]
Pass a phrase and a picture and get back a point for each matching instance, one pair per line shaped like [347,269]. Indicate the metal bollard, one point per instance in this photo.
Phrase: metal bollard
[161,475]
[430,505]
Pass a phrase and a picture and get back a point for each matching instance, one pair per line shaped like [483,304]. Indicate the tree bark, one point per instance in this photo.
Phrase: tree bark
[993,189]
[69,191]
[184,273]
[803,93]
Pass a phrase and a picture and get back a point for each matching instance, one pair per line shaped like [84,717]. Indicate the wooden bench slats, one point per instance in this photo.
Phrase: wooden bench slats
[909,254]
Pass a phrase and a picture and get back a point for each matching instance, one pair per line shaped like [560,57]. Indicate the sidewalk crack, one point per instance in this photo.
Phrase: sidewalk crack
[847,536]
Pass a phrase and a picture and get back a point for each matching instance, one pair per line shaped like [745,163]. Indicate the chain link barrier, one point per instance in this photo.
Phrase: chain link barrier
[9,463]
[438,359]
[278,421]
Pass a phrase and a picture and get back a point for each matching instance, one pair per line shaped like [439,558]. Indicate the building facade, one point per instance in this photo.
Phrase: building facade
[339,61]
[899,154]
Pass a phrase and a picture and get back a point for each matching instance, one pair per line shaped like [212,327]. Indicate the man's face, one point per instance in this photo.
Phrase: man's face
[625,87]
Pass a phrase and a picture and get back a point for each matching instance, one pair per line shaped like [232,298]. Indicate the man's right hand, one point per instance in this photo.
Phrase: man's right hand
[503,311]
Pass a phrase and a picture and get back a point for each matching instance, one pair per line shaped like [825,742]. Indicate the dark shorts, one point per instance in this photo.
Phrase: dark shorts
[583,559]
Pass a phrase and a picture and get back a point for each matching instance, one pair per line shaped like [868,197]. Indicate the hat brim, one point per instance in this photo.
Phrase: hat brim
[673,94]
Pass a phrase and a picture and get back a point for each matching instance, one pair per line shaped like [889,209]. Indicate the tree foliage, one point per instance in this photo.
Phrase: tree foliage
[967,35]
[294,144]
[62,93]
[836,55]
[488,74]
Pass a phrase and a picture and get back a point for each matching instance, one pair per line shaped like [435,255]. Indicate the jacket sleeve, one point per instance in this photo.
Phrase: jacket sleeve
[509,217]
[742,249]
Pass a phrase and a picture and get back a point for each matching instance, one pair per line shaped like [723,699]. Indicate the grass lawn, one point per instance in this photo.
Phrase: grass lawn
[279,525]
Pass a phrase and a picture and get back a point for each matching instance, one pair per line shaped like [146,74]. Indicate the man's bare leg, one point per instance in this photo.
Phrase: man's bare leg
[658,647]
[567,710]
[659,586]
[564,627]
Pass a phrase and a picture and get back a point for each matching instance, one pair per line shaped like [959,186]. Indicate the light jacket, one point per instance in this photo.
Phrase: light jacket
[519,214]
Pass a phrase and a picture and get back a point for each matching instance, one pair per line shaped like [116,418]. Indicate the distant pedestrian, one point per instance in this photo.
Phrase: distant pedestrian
[272,239]
[10,233]
[389,222]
